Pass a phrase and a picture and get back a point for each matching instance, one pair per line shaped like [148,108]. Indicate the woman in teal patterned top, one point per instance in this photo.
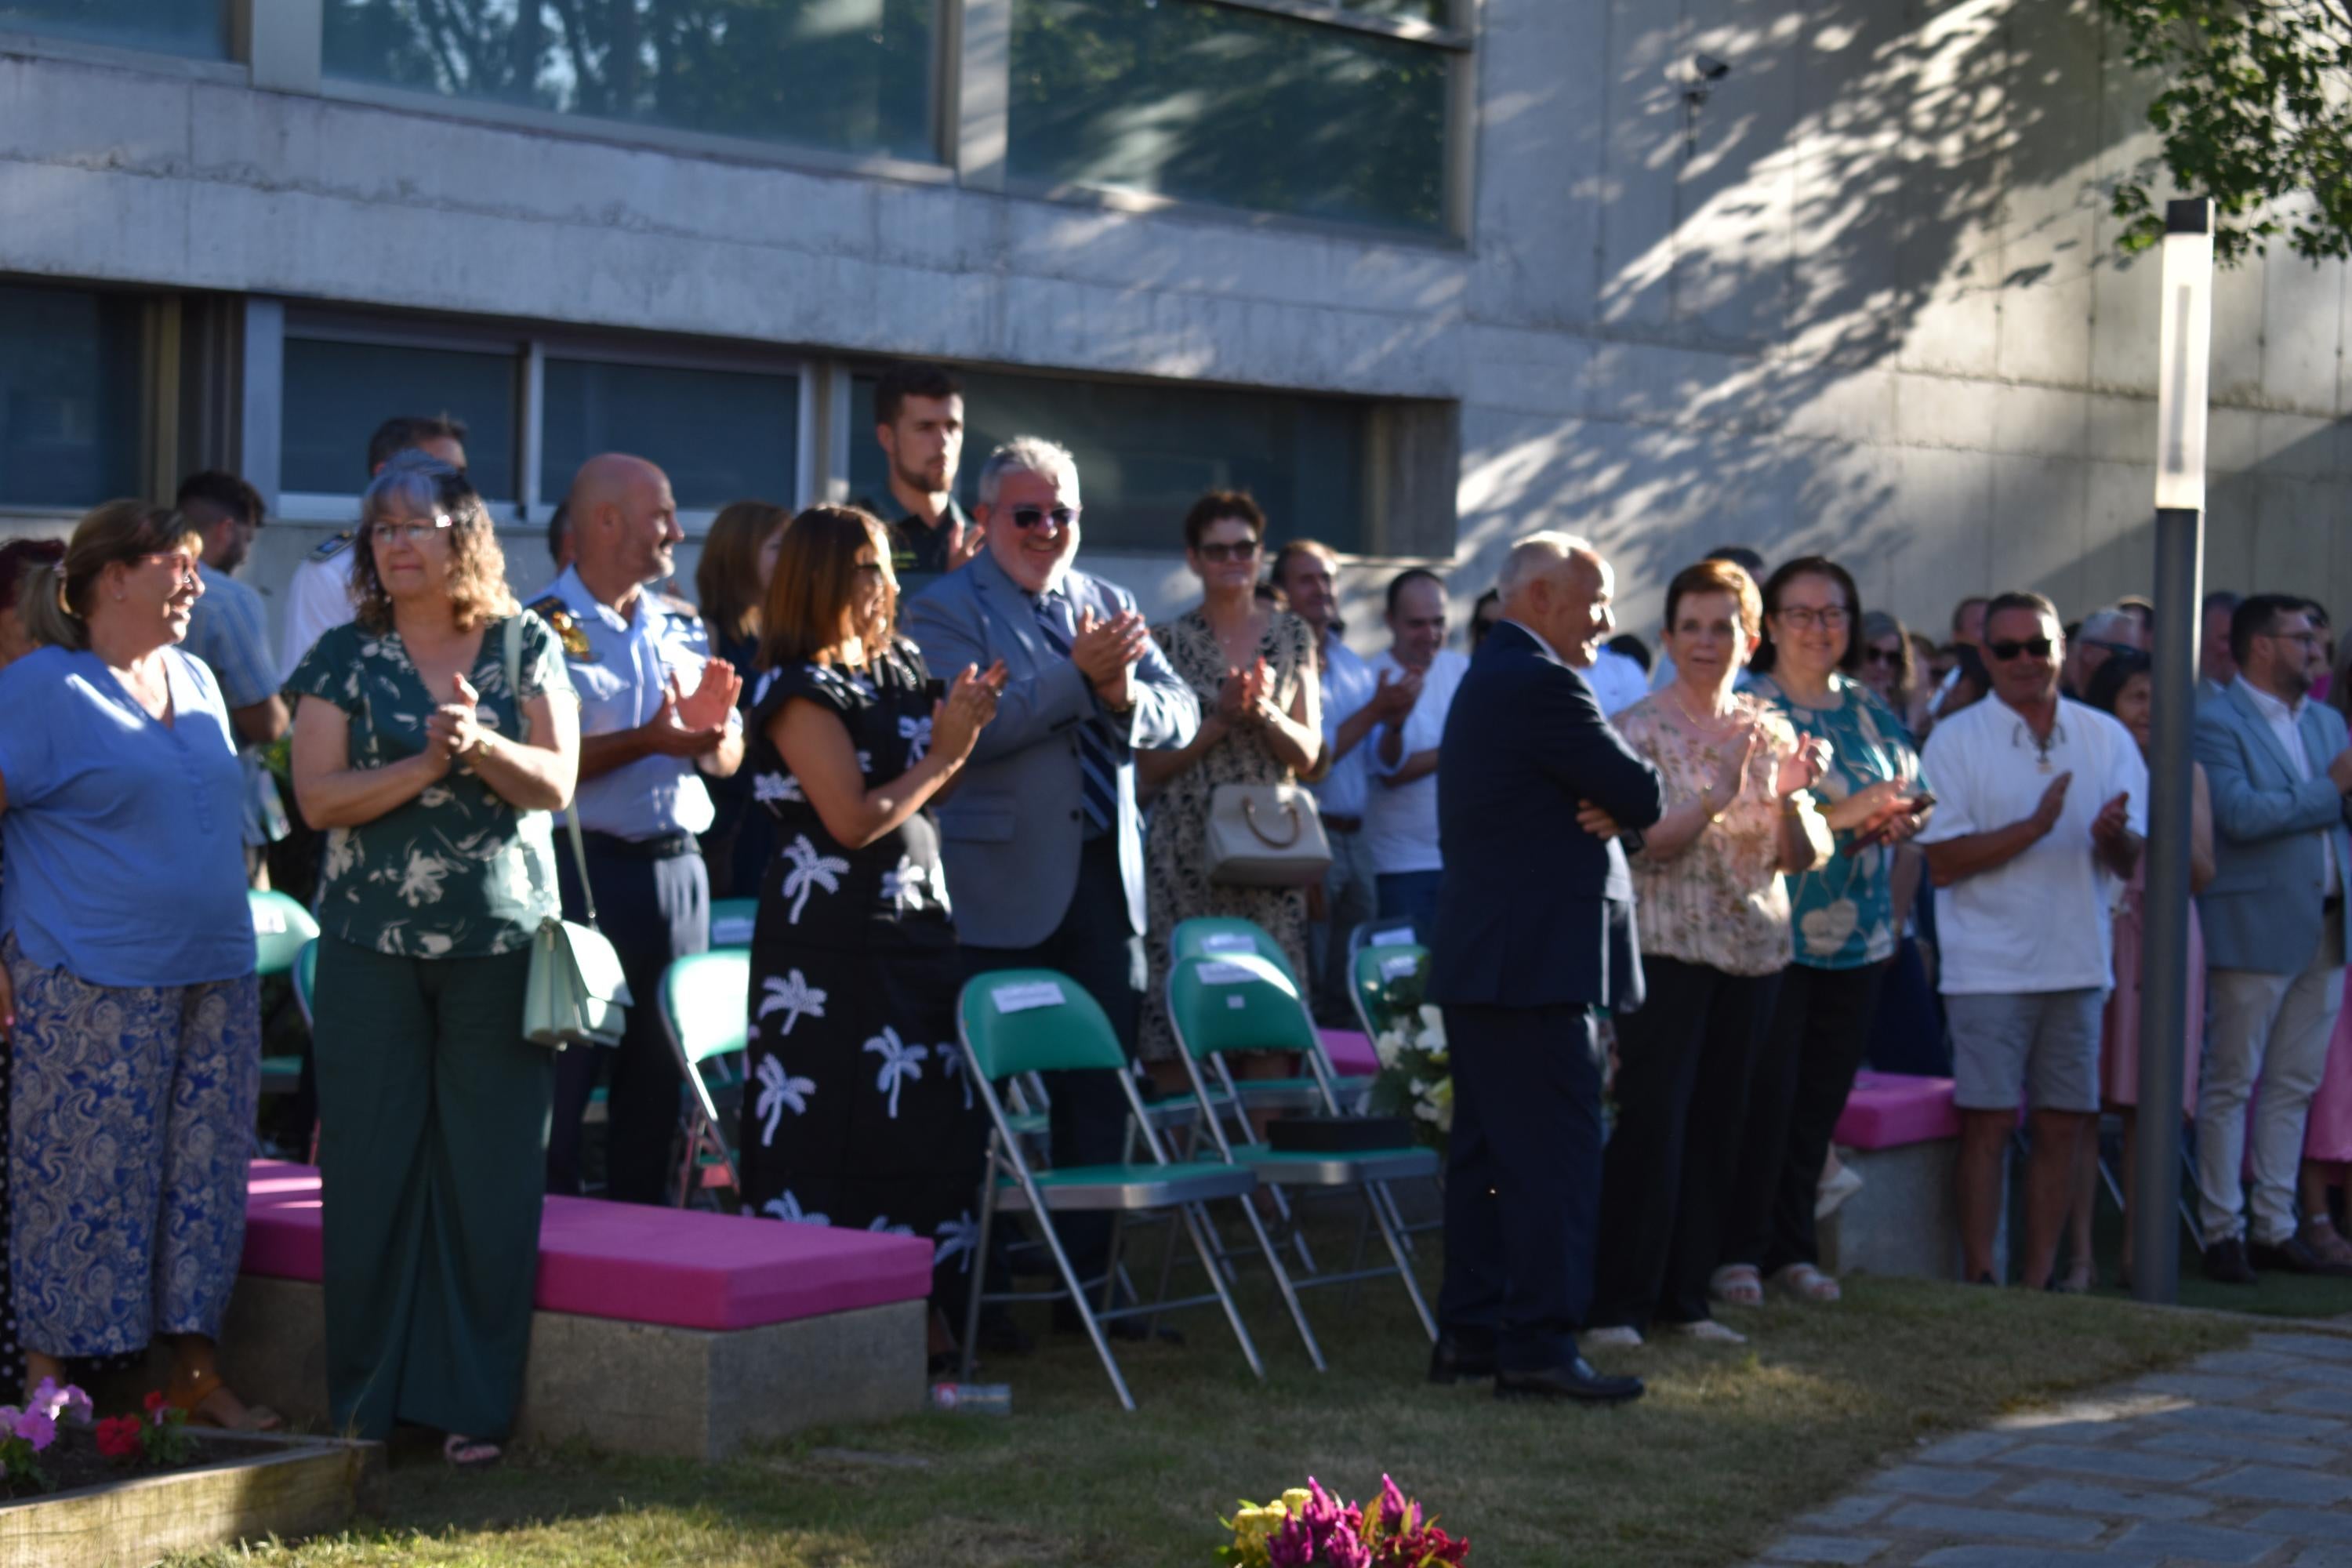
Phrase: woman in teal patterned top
[433,773]
[1844,928]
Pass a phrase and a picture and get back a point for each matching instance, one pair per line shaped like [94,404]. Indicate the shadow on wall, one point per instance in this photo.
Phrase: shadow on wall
[1862,300]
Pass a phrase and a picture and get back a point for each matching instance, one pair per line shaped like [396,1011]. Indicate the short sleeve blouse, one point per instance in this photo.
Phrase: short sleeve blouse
[456,872]
[1721,903]
[125,835]
[1844,909]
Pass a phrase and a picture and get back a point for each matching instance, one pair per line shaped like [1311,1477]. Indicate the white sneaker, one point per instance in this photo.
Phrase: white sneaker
[1711,1332]
[1616,1339]
[1835,1190]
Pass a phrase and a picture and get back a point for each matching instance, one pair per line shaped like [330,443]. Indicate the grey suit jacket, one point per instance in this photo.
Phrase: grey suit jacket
[2263,911]
[1010,833]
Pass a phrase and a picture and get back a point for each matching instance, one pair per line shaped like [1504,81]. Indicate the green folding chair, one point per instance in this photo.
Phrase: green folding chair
[1381,969]
[705,998]
[1242,1002]
[731,920]
[1225,936]
[280,929]
[1013,1022]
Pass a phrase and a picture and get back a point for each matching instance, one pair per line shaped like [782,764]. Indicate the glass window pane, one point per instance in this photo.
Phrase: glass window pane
[1438,12]
[720,434]
[1208,104]
[69,416]
[851,75]
[337,394]
[196,27]
[1146,452]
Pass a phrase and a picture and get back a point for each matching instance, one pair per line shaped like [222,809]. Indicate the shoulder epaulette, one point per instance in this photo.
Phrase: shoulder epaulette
[684,609]
[328,549]
[552,609]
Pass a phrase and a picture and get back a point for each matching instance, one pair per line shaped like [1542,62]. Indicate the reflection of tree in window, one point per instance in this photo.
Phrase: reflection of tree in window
[849,73]
[1208,104]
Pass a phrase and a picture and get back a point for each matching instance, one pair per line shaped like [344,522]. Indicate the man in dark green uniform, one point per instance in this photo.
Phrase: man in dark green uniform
[919,421]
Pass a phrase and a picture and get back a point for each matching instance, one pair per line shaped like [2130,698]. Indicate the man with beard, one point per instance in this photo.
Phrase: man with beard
[919,422]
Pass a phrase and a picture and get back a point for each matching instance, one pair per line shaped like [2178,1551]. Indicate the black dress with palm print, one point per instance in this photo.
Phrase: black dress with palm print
[859,1113]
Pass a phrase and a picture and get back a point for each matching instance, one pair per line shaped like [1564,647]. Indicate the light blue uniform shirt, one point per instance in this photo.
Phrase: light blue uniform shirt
[1348,685]
[621,681]
[230,630]
[125,854]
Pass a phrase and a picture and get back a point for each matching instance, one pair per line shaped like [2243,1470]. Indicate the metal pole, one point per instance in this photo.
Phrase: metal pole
[2164,1021]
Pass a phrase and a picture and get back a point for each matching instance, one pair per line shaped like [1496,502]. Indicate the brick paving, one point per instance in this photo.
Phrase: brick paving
[2242,1458]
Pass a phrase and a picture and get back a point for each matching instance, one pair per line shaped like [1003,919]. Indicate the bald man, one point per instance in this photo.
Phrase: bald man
[657,712]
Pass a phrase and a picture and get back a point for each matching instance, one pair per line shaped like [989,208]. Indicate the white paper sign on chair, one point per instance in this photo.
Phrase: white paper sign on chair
[1028,995]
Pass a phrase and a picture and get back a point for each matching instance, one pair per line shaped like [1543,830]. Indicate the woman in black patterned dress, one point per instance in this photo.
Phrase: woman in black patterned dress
[858,1112]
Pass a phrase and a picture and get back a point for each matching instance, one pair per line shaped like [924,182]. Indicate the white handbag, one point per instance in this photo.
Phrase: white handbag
[1266,836]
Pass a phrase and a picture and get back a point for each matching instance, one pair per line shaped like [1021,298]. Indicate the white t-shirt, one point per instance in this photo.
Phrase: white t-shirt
[318,600]
[2043,922]
[1618,681]
[1401,824]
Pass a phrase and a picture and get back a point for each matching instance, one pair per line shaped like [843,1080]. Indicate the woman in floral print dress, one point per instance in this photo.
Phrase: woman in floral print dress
[859,1113]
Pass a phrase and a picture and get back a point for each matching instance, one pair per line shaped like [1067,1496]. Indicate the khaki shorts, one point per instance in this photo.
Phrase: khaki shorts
[2041,1047]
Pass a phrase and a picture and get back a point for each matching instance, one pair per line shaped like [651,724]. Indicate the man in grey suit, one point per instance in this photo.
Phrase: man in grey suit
[2274,919]
[1043,844]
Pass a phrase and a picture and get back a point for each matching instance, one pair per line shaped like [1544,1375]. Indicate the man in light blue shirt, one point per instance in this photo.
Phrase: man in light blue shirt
[657,712]
[230,630]
[1355,703]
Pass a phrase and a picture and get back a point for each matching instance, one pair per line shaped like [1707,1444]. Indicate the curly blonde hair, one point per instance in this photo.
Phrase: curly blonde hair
[415,485]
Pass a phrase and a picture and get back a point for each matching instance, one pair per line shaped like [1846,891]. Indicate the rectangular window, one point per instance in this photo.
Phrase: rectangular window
[852,75]
[1211,103]
[70,404]
[720,435]
[337,393]
[1146,452]
[198,28]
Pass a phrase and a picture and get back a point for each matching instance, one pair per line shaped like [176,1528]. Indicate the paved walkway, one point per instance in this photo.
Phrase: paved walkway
[2243,1456]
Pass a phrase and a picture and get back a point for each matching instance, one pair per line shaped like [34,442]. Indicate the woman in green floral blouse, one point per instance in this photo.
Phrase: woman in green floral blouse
[432,775]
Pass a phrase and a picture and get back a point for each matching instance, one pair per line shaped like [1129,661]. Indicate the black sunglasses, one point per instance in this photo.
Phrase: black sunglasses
[1027,517]
[1888,656]
[2038,646]
[1240,550]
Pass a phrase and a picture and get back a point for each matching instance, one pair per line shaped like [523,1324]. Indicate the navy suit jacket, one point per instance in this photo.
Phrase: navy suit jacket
[1534,911]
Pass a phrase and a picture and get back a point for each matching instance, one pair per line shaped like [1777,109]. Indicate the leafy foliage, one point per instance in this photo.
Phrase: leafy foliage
[2255,111]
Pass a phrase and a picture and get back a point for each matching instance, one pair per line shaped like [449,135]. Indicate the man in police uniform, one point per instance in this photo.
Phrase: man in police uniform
[919,423]
[319,597]
[656,711]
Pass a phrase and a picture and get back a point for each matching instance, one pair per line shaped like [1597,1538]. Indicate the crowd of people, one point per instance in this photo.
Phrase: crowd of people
[931,745]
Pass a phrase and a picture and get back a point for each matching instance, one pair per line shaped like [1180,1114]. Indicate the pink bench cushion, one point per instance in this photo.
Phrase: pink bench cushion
[1351,1054]
[1888,1111]
[683,1267]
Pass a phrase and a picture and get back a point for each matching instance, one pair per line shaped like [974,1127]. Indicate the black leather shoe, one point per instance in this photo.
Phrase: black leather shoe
[2293,1256]
[1451,1361]
[1576,1381]
[2225,1263]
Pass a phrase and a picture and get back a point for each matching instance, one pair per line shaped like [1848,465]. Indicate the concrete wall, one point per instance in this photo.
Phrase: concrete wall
[1871,306]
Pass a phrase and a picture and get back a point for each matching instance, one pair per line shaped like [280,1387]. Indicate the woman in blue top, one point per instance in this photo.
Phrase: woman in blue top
[130,1000]
[1844,925]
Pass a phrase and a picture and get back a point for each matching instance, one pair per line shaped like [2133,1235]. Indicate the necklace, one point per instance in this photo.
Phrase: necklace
[1713,723]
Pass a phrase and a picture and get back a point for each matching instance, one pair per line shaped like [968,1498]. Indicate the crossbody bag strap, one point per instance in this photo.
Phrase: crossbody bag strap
[522,730]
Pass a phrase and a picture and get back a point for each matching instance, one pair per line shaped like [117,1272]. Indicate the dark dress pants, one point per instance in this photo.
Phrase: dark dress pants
[1683,1062]
[652,908]
[1522,1181]
[1821,1026]
[1087,1121]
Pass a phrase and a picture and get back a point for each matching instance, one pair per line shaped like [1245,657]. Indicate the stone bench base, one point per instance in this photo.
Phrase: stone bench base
[1905,1218]
[693,1393]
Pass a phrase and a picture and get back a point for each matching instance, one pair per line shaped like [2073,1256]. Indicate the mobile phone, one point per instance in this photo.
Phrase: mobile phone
[1922,802]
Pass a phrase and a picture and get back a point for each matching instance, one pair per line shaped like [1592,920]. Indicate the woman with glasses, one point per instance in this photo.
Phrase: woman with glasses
[432,767]
[127,989]
[1261,723]
[1844,921]
[1889,667]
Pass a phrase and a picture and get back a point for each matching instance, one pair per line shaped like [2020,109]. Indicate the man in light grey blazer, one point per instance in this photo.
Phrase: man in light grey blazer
[2274,921]
[1042,841]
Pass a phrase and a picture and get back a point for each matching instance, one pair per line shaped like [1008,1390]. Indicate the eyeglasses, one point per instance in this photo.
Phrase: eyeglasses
[1890,657]
[1066,518]
[410,531]
[1239,550]
[2004,651]
[2308,639]
[1805,618]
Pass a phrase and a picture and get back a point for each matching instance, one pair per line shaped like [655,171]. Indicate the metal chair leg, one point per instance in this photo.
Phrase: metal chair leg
[1217,1283]
[980,1268]
[1282,1280]
[1404,1267]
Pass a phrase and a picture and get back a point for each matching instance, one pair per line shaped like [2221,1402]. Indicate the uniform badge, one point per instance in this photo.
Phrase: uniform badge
[566,626]
[328,549]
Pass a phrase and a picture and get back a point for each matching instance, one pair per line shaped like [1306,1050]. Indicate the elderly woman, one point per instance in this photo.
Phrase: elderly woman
[1715,929]
[738,558]
[431,761]
[1846,927]
[1252,667]
[126,965]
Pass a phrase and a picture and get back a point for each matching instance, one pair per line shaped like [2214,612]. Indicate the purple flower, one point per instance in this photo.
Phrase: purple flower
[37,1429]
[1397,1515]
[54,1401]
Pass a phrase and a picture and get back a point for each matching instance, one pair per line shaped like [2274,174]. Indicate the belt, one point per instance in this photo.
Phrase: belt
[1335,824]
[661,847]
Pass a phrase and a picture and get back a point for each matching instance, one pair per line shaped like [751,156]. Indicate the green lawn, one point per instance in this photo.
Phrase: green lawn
[1728,1444]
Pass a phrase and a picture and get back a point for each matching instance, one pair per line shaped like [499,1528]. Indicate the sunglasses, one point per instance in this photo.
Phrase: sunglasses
[1240,550]
[1890,657]
[2004,651]
[1066,518]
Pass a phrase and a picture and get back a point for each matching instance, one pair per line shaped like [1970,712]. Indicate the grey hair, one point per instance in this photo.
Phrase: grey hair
[1536,554]
[410,485]
[1029,454]
[2099,624]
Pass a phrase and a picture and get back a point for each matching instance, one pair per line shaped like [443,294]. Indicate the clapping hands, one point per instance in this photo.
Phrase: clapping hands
[454,730]
[958,718]
[692,723]
[1106,650]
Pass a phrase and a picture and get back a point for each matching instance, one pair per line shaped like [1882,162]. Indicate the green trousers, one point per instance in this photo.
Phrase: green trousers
[433,1146]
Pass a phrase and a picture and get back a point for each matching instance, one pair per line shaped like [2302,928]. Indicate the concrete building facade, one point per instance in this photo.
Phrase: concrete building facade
[1426,274]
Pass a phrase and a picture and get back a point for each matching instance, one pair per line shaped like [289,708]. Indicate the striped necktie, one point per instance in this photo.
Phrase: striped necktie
[1097,761]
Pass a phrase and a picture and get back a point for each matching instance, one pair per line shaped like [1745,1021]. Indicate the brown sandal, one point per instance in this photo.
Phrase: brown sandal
[195,1396]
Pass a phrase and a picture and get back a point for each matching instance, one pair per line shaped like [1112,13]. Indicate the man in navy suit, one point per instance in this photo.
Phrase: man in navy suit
[1534,934]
